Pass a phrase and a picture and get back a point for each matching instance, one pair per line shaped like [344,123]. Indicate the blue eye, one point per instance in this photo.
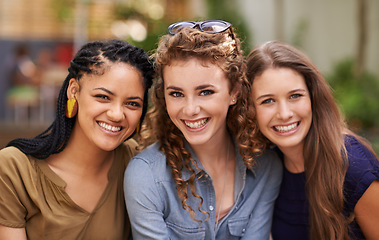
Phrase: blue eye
[176,94]
[267,101]
[206,92]
[296,95]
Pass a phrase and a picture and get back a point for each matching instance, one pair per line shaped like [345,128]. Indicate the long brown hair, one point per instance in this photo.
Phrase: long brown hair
[324,151]
[219,49]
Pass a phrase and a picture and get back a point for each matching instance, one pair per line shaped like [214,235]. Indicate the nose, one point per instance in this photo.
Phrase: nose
[116,113]
[284,111]
[191,107]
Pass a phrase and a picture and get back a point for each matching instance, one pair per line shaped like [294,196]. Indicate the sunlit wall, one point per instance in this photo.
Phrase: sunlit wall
[326,30]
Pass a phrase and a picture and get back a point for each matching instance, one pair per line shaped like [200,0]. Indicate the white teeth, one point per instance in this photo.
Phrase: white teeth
[196,124]
[109,127]
[286,128]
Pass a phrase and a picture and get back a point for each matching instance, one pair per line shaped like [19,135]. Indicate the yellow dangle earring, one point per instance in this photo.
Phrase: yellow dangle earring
[71,108]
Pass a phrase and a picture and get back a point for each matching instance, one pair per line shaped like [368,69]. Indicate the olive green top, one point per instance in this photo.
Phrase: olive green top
[33,197]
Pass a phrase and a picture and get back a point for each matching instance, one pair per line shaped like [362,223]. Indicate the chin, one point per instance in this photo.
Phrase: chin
[109,146]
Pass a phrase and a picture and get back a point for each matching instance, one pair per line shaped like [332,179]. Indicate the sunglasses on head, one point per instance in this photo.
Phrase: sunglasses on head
[208,26]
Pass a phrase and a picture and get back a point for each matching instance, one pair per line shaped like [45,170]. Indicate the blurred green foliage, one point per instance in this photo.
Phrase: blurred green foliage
[155,28]
[375,143]
[64,9]
[217,9]
[300,33]
[229,11]
[357,96]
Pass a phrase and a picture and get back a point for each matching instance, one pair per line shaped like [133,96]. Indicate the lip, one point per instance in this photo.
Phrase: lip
[286,129]
[196,125]
[110,128]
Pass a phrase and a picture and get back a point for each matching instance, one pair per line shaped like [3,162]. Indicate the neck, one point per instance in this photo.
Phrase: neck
[293,160]
[215,153]
[85,159]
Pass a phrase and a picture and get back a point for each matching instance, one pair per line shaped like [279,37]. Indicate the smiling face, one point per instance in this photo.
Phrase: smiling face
[109,106]
[283,107]
[197,99]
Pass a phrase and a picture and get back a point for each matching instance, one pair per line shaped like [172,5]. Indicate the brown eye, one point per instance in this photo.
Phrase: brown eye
[102,96]
[134,104]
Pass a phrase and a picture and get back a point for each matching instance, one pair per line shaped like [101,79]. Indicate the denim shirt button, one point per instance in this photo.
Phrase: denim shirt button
[211,208]
[243,230]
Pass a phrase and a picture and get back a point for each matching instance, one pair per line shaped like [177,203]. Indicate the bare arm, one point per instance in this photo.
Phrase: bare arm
[367,211]
[12,233]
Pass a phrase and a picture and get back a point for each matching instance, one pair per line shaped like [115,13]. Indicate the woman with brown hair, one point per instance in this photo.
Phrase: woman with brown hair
[202,179]
[330,186]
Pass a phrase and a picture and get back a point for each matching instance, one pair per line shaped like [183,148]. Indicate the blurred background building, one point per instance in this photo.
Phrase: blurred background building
[39,37]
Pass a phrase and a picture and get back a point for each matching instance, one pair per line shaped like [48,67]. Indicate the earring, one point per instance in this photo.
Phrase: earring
[234,100]
[139,126]
[71,108]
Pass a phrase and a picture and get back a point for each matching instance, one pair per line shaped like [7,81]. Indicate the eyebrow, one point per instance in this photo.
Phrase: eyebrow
[111,93]
[105,90]
[197,88]
[264,96]
[290,92]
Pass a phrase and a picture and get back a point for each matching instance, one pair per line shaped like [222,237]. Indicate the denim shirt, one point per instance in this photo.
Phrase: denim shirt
[155,209]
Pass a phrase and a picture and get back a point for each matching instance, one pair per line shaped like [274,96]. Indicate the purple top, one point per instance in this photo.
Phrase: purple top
[291,207]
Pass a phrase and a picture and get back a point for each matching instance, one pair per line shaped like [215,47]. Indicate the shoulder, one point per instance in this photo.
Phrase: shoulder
[128,148]
[270,161]
[10,152]
[16,186]
[356,150]
[13,158]
[151,155]
[149,161]
[268,164]
[360,158]
[146,171]
[363,169]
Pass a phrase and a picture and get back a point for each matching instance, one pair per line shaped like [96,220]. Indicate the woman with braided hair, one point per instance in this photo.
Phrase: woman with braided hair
[67,182]
[203,178]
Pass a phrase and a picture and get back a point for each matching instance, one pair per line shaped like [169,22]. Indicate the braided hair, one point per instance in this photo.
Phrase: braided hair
[88,60]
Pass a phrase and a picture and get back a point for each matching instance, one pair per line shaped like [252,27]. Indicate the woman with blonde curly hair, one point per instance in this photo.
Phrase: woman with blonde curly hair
[204,177]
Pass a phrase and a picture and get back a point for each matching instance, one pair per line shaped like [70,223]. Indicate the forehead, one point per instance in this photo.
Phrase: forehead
[193,72]
[278,79]
[118,76]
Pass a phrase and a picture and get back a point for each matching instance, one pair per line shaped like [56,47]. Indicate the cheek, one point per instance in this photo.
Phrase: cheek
[172,108]
[86,111]
[133,118]
[135,115]
[262,117]
[309,116]
[306,109]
